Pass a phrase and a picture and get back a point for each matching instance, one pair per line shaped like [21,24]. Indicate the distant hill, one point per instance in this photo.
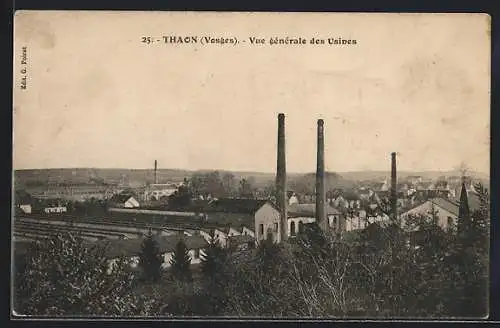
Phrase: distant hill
[138,177]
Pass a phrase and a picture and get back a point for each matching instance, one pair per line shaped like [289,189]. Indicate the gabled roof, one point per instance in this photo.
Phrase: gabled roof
[234,220]
[132,247]
[120,198]
[237,205]
[241,239]
[295,210]
[446,204]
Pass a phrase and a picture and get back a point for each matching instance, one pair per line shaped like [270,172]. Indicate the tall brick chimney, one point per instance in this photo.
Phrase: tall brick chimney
[281,192]
[156,168]
[394,191]
[320,179]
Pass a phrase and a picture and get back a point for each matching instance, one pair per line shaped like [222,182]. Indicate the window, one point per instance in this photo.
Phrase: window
[261,229]
[276,227]
[292,228]
[197,253]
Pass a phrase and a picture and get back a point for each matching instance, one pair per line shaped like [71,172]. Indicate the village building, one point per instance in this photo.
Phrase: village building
[361,219]
[444,210]
[260,215]
[23,202]
[300,214]
[123,201]
[131,248]
[159,191]
[72,191]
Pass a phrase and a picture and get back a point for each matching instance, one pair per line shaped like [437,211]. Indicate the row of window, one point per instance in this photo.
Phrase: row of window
[276,227]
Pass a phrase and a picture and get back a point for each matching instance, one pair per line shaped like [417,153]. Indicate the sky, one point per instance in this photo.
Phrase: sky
[98,97]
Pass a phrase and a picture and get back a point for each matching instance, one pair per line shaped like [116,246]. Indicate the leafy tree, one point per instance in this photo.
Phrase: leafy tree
[150,258]
[181,198]
[246,189]
[66,276]
[180,262]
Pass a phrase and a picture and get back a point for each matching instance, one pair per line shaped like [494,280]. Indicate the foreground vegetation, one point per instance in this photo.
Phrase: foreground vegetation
[379,272]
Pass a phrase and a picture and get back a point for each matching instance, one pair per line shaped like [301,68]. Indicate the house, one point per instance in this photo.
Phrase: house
[361,219]
[23,202]
[131,248]
[124,201]
[260,214]
[446,212]
[159,191]
[50,206]
[299,214]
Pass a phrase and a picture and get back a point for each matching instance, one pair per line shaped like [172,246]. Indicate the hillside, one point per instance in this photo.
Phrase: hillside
[137,177]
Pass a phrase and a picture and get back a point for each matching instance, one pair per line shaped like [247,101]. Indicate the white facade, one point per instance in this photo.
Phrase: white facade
[220,235]
[194,254]
[360,220]
[157,191]
[55,209]
[248,232]
[267,221]
[131,203]
[25,208]
[295,223]
[293,200]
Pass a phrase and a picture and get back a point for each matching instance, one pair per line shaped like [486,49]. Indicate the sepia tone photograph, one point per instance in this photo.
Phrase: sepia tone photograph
[250,165]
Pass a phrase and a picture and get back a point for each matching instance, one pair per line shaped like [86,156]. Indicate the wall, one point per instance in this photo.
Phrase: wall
[267,216]
[141,211]
[297,221]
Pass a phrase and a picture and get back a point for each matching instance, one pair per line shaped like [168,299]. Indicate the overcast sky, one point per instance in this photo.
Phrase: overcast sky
[98,97]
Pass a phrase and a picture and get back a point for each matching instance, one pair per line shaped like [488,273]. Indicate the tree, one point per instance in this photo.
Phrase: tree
[180,198]
[181,262]
[245,188]
[468,262]
[65,275]
[150,258]
[216,273]
[229,183]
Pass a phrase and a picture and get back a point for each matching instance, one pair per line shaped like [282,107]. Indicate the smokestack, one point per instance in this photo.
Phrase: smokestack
[156,167]
[320,179]
[281,193]
[394,192]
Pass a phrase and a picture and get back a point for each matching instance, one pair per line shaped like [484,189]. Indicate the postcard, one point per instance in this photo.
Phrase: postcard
[250,165]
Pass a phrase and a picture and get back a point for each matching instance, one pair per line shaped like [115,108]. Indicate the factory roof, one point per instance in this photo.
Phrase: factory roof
[295,210]
[237,205]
